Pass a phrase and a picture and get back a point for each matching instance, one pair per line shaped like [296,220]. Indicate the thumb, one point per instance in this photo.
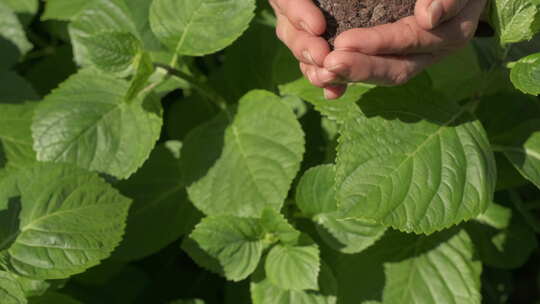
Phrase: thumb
[431,13]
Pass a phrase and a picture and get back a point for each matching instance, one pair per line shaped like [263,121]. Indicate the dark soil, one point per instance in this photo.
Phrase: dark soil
[342,15]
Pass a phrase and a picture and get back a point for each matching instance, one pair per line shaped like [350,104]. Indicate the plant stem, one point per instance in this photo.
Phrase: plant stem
[199,86]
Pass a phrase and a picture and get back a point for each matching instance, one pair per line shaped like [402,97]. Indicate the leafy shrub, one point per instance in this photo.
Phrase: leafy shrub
[154,150]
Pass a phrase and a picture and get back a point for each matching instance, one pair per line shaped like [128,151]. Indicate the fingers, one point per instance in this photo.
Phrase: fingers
[407,37]
[331,90]
[381,70]
[306,48]
[431,13]
[302,14]
[334,92]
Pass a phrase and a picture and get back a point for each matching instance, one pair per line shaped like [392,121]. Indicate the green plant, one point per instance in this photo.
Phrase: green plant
[160,167]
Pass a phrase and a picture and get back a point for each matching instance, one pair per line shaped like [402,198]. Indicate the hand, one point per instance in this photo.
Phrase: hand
[389,54]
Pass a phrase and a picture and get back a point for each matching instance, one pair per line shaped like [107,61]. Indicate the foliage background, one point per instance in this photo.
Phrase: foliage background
[158,98]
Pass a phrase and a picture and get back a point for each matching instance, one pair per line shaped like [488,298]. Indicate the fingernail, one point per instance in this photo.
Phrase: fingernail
[327,94]
[306,28]
[310,75]
[326,76]
[340,69]
[435,11]
[308,58]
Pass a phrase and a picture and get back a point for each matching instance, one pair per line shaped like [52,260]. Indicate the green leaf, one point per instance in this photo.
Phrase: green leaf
[10,290]
[33,288]
[347,235]
[111,15]
[444,274]
[22,6]
[458,75]
[70,220]
[13,41]
[315,193]
[15,134]
[275,223]
[86,122]
[337,110]
[53,297]
[496,216]
[315,196]
[233,241]
[261,154]
[522,148]
[197,28]
[293,267]
[161,212]
[64,9]
[405,268]
[515,20]
[113,52]
[143,72]
[25,9]
[505,241]
[264,292]
[413,161]
[525,74]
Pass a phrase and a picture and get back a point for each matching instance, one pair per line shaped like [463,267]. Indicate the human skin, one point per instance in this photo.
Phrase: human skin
[389,54]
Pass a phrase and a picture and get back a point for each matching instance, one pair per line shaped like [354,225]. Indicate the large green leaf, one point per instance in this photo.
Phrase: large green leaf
[64,9]
[13,41]
[111,15]
[405,268]
[458,75]
[413,161]
[515,20]
[446,273]
[261,154]
[69,221]
[200,27]
[11,291]
[87,122]
[264,292]
[526,74]
[113,52]
[315,193]
[236,243]
[161,212]
[293,267]
[25,9]
[316,198]
[15,133]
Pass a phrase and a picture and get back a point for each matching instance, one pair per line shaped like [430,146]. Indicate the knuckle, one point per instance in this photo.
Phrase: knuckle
[401,78]
[403,75]
[468,32]
[413,41]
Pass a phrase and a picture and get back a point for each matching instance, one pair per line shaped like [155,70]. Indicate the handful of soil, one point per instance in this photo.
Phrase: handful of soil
[342,15]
